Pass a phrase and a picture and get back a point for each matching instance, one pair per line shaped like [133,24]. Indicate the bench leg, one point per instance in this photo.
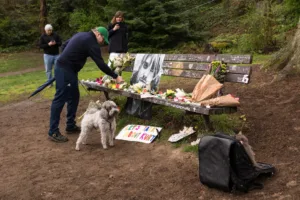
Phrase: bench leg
[208,123]
[106,95]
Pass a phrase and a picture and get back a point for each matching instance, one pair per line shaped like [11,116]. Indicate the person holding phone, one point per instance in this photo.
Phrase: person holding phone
[118,36]
[50,43]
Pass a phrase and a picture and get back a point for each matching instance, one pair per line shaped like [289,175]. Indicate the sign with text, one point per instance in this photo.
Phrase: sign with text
[139,133]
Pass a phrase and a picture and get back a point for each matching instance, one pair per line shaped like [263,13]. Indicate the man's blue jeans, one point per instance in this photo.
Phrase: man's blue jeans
[67,91]
[49,61]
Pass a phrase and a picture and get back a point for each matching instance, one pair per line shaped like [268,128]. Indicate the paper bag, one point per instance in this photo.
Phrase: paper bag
[226,100]
[206,88]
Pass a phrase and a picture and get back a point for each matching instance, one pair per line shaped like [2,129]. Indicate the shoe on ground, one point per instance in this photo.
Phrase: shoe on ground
[74,129]
[57,137]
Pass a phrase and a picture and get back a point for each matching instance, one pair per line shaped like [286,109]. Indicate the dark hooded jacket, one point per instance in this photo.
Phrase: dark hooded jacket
[118,40]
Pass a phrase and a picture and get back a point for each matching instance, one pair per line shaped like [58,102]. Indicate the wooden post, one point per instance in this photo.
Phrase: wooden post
[106,95]
[208,123]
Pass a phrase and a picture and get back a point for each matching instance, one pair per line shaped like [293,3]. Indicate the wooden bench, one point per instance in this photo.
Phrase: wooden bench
[192,66]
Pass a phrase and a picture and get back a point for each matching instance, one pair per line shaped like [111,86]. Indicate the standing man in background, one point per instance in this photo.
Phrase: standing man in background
[50,43]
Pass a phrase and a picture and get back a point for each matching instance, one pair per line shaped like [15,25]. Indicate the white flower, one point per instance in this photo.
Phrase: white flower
[179,93]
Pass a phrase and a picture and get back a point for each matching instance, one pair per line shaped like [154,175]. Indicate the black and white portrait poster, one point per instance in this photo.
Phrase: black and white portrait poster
[147,70]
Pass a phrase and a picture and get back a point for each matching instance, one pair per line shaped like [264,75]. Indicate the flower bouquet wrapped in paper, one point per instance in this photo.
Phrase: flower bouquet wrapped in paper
[226,100]
[206,88]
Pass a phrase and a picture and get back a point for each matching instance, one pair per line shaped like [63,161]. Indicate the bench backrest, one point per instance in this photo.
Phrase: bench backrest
[196,65]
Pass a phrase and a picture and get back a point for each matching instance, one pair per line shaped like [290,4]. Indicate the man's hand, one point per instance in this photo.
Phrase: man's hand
[119,79]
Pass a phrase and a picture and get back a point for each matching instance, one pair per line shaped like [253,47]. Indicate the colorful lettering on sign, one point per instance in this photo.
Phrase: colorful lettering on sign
[139,133]
[137,128]
[142,136]
[136,135]
[152,129]
[130,133]
[130,127]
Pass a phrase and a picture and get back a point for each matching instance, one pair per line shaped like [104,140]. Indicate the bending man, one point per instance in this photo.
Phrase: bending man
[72,59]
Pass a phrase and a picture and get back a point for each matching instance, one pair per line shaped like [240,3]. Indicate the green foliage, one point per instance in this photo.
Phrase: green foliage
[74,16]
[88,14]
[82,21]
[259,34]
[227,123]
[154,25]
[186,48]
[230,26]
[18,28]
[218,70]
[292,11]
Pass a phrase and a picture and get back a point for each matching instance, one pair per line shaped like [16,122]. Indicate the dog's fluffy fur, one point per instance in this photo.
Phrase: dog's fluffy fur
[102,117]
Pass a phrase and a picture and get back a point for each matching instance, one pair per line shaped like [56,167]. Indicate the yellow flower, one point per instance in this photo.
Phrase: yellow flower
[170,91]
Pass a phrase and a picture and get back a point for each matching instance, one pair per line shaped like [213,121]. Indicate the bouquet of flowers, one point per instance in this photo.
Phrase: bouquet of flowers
[179,95]
[118,64]
[218,69]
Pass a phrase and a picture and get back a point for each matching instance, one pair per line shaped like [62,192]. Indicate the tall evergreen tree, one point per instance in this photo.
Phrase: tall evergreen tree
[154,24]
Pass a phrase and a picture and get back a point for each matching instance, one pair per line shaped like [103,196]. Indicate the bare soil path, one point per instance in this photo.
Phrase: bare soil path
[22,71]
[32,167]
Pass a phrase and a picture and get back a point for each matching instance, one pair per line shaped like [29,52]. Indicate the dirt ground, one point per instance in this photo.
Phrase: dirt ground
[34,168]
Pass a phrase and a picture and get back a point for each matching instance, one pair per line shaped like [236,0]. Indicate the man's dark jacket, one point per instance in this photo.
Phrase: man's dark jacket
[76,50]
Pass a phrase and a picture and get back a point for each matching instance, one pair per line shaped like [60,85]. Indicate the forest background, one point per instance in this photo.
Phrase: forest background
[169,26]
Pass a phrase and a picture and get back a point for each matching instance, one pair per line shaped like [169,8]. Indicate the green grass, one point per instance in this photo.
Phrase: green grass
[261,58]
[11,62]
[19,86]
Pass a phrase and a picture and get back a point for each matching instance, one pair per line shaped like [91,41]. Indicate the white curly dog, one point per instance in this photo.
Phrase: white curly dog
[103,117]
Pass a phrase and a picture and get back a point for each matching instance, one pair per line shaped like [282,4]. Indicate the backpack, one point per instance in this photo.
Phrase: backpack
[224,164]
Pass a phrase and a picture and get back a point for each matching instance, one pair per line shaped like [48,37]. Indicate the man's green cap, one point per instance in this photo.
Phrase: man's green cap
[104,33]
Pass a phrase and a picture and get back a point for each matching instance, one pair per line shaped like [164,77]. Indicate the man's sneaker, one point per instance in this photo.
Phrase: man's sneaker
[57,137]
[74,129]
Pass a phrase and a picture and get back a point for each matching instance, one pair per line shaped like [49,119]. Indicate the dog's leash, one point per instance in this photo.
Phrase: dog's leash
[79,118]
[85,88]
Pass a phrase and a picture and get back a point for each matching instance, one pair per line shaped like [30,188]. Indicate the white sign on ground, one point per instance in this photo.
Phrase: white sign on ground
[139,133]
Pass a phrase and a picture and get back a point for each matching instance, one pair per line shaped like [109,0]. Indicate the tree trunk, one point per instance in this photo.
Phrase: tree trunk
[43,15]
[287,60]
